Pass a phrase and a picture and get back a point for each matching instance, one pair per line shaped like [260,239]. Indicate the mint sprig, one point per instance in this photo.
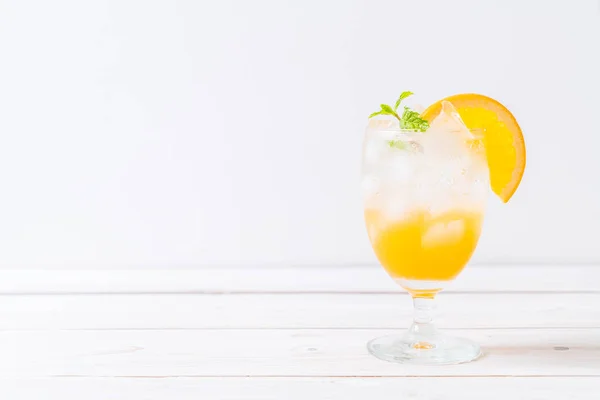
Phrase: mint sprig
[410,119]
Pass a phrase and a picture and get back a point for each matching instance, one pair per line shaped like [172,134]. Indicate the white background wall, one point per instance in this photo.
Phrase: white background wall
[181,133]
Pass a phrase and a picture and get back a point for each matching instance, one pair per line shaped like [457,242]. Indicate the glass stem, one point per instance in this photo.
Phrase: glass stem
[424,308]
[422,332]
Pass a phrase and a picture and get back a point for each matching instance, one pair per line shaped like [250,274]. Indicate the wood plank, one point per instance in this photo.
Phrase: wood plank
[281,353]
[325,279]
[182,311]
[534,388]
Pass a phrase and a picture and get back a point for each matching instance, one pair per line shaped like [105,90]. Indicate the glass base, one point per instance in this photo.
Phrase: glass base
[423,345]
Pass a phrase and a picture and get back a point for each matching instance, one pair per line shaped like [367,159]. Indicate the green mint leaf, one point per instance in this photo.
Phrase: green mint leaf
[387,109]
[397,144]
[403,95]
[412,120]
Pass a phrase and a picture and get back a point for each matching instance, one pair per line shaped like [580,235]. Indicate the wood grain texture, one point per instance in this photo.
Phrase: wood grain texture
[283,353]
[258,311]
[291,333]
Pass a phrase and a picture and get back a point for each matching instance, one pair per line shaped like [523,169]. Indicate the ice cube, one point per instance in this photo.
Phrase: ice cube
[370,186]
[396,206]
[398,165]
[441,233]
[376,153]
[418,108]
[446,144]
[383,122]
[449,120]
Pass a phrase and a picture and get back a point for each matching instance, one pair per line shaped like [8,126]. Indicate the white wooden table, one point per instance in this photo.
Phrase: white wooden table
[291,333]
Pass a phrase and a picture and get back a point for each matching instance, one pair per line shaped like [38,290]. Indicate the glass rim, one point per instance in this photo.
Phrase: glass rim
[412,134]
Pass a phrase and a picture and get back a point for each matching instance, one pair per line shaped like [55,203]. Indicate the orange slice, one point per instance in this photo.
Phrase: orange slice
[503,139]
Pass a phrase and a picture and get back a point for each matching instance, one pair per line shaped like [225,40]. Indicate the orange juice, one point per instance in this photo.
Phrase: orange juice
[422,246]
